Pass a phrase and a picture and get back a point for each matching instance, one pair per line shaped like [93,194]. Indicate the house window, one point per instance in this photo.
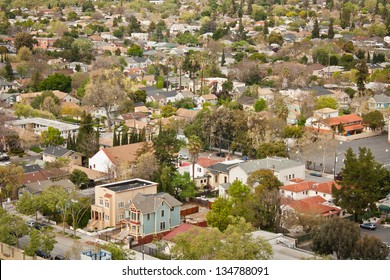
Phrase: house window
[133,216]
[162,213]
[94,165]
[76,157]
[121,204]
[225,179]
[316,192]
[101,201]
[216,179]
[293,176]
[106,204]
[199,169]
[120,217]
[162,225]
[107,218]
[148,216]
[173,208]
[323,195]
[289,177]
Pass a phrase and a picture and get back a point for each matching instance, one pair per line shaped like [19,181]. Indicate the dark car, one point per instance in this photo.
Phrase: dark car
[59,257]
[42,254]
[369,226]
[221,154]
[316,174]
[39,226]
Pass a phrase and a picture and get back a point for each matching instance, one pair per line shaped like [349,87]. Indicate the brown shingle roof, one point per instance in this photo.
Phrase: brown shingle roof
[124,153]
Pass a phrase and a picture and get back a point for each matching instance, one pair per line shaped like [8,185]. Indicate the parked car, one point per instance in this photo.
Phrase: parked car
[43,254]
[39,226]
[183,156]
[369,226]
[31,223]
[316,174]
[59,257]
[4,157]
[221,154]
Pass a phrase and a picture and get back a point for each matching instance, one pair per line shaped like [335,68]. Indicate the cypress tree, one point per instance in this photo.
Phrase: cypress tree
[330,30]
[315,33]
[223,61]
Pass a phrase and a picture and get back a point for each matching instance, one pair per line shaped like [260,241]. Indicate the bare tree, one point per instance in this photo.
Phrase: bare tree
[106,89]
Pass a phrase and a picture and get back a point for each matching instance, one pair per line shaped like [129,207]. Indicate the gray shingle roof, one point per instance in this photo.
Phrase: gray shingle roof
[31,168]
[275,163]
[56,151]
[381,98]
[149,203]
[221,167]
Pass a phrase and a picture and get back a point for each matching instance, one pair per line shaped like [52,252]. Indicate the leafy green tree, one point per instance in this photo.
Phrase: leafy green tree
[236,243]
[32,247]
[79,178]
[260,105]
[374,120]
[361,76]
[7,71]
[133,25]
[138,96]
[24,39]
[336,236]
[87,6]
[315,33]
[330,29]
[364,182]
[183,186]
[370,248]
[221,214]
[87,141]
[292,131]
[263,179]
[166,146]
[117,252]
[47,240]
[11,227]
[269,149]
[36,103]
[135,50]
[326,102]
[56,81]
[51,137]
[168,111]
[77,208]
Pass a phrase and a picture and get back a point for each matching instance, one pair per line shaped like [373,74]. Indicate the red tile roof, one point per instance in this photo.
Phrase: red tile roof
[353,127]
[206,162]
[311,206]
[324,187]
[345,119]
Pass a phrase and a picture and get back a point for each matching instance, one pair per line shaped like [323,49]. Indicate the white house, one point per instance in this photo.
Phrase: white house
[37,125]
[305,189]
[283,168]
[107,159]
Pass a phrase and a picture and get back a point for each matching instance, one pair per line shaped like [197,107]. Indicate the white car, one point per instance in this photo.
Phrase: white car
[183,156]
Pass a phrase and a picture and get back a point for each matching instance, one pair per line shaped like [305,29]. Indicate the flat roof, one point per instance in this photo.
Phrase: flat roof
[45,122]
[127,185]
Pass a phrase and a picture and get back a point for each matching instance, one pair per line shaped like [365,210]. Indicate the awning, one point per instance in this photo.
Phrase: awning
[353,127]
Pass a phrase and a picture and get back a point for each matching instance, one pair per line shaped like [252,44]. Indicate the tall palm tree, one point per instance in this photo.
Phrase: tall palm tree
[194,146]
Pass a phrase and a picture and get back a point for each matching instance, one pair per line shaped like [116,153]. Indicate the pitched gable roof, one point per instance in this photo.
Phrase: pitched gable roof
[56,151]
[149,203]
[274,163]
[343,119]
[124,153]
[323,187]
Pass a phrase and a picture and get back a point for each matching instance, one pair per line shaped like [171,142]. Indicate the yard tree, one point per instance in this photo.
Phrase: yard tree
[166,146]
[361,76]
[330,29]
[105,89]
[47,240]
[56,81]
[315,33]
[33,245]
[239,243]
[79,177]
[370,248]
[183,186]
[87,141]
[221,214]
[117,251]
[260,105]
[24,39]
[336,236]
[263,179]
[326,102]
[51,137]
[197,244]
[269,149]
[78,206]
[364,182]
[146,166]
[29,204]
[11,179]
[374,119]
[194,147]
[135,50]
[11,226]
